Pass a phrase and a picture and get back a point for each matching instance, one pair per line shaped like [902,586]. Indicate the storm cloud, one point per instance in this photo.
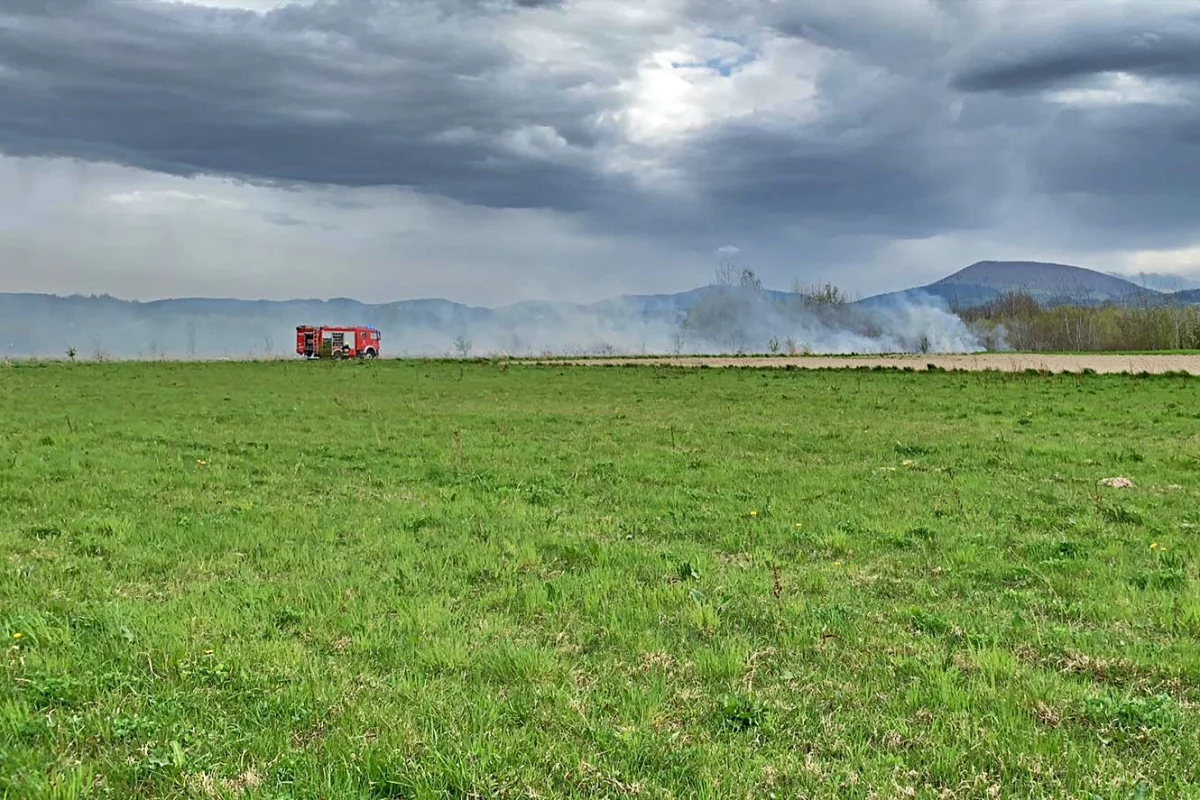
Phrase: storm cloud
[485,148]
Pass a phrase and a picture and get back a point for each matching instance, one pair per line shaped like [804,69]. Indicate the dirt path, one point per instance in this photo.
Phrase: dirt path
[1004,362]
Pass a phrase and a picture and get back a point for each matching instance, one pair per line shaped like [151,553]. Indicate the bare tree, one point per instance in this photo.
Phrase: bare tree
[723,312]
[189,330]
[825,296]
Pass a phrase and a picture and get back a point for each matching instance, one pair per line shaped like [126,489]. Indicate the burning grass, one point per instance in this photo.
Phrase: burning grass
[453,580]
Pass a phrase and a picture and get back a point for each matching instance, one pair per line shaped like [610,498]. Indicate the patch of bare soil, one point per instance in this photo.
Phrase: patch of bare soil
[1002,362]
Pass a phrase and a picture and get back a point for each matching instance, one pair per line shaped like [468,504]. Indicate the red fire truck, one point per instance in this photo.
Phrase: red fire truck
[329,341]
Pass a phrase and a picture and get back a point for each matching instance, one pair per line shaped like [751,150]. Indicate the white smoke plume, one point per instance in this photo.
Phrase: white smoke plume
[716,319]
[737,315]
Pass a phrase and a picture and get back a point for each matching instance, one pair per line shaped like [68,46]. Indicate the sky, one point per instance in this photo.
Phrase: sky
[490,151]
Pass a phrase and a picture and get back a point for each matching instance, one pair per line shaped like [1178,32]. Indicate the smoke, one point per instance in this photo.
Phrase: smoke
[716,319]
[738,315]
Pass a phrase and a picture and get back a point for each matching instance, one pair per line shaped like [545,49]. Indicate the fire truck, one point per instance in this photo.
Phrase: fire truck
[329,341]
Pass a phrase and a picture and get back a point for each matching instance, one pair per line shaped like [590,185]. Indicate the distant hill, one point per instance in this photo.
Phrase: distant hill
[96,326]
[1050,284]
[45,325]
[1164,282]
[42,325]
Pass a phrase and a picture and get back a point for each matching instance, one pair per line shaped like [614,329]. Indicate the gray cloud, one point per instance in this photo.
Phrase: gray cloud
[810,135]
[1167,47]
[354,94]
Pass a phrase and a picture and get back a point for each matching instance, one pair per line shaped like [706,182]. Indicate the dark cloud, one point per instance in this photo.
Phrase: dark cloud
[905,36]
[1103,114]
[1178,56]
[1128,178]
[354,94]
[875,185]
[925,118]
[1148,46]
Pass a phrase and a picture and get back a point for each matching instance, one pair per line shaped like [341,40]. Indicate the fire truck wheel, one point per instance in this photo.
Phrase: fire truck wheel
[369,354]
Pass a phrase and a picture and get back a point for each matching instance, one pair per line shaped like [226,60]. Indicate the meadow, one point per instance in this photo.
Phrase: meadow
[437,580]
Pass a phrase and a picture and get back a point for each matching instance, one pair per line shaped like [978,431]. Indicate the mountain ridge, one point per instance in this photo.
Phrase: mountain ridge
[1047,282]
[36,324]
[1052,281]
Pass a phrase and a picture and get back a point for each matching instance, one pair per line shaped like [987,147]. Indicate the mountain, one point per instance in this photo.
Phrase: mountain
[97,326]
[1050,284]
[1165,281]
[40,325]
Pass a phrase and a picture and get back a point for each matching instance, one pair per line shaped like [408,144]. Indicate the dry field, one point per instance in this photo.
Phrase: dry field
[1003,362]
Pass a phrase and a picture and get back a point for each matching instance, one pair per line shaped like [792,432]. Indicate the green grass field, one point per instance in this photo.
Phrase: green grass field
[430,580]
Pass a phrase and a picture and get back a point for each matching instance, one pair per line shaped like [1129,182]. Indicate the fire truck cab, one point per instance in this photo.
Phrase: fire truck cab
[329,341]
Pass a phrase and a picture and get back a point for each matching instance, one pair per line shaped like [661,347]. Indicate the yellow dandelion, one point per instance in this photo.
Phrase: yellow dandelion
[200,462]
[18,636]
[208,652]
[753,513]
[799,526]
[837,563]
[1154,545]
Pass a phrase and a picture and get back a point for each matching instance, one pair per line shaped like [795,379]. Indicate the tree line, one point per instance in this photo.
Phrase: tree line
[1016,321]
